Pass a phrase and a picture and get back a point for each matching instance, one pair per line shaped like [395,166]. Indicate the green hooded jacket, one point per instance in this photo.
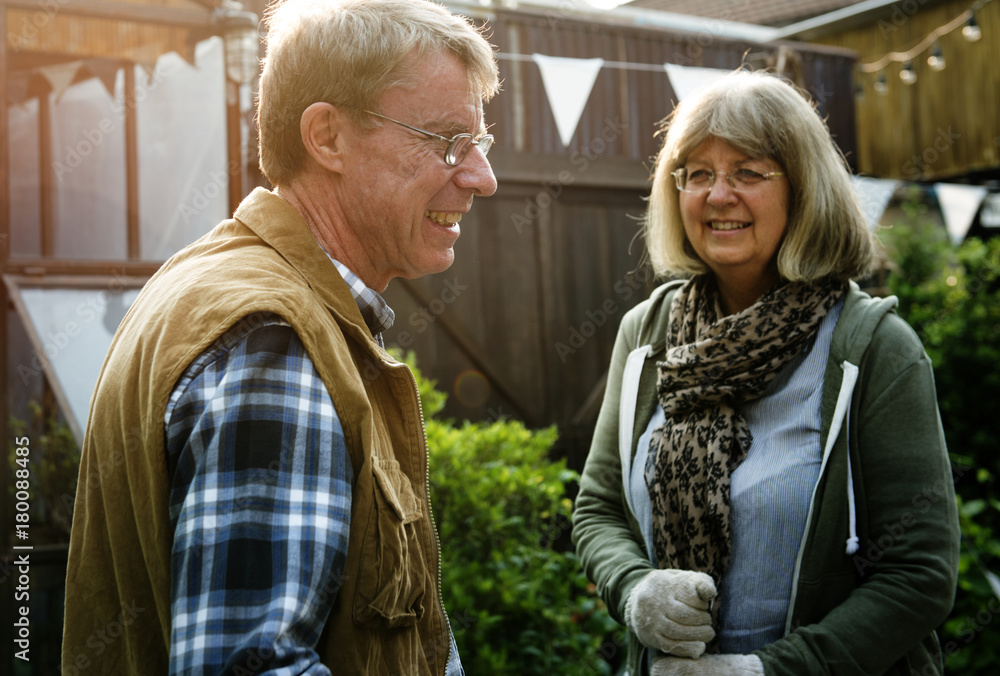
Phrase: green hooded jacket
[877,565]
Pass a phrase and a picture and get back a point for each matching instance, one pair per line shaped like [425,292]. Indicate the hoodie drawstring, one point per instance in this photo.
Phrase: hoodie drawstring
[844,406]
[852,541]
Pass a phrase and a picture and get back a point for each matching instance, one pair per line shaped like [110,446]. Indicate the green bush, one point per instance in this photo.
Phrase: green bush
[951,297]
[518,600]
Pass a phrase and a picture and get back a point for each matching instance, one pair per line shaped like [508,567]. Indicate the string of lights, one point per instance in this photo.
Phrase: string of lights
[936,60]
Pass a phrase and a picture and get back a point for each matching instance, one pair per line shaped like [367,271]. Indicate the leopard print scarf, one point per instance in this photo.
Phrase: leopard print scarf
[712,366]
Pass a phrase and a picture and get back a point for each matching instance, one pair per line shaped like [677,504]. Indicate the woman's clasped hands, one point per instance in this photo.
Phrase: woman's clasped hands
[669,611]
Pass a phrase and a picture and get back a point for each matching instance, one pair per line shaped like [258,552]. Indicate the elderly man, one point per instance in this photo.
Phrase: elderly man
[253,487]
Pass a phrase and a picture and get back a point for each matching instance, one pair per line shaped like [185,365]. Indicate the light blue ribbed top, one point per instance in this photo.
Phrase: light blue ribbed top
[770,495]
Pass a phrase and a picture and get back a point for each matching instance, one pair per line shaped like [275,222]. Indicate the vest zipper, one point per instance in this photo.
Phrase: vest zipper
[430,514]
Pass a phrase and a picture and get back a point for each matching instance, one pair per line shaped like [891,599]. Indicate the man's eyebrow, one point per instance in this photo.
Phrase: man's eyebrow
[451,128]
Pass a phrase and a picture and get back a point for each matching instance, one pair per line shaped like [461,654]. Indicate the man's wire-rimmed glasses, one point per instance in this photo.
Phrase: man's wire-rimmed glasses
[459,145]
[702,180]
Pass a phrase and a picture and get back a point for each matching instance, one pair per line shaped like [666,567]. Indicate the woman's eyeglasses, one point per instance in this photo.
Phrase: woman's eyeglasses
[702,180]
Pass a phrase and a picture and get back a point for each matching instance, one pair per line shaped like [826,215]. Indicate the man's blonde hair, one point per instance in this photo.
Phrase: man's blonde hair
[765,117]
[349,53]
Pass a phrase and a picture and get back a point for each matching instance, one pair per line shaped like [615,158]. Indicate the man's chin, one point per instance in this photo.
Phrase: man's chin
[440,262]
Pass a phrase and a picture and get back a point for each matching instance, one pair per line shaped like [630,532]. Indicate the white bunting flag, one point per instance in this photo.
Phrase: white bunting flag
[568,83]
[61,76]
[688,79]
[105,70]
[959,205]
[874,194]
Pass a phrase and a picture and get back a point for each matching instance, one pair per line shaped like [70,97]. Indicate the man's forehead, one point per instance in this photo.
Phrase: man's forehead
[441,92]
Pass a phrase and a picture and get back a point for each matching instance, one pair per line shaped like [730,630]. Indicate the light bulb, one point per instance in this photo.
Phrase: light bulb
[936,59]
[908,75]
[971,31]
[881,86]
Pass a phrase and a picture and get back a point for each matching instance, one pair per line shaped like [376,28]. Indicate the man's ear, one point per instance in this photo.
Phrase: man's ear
[324,130]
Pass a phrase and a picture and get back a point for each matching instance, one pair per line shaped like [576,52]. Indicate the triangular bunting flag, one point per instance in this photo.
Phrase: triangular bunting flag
[105,70]
[874,194]
[60,76]
[568,83]
[688,79]
[959,204]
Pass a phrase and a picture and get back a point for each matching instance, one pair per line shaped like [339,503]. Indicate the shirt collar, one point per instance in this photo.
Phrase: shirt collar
[375,311]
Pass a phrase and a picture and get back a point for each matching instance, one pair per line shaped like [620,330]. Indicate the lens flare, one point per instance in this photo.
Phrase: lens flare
[471,388]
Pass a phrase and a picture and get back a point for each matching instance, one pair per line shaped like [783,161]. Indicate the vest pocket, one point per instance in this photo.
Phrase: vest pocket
[392,575]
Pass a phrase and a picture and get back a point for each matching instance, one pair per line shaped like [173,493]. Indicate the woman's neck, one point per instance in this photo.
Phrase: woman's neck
[738,292]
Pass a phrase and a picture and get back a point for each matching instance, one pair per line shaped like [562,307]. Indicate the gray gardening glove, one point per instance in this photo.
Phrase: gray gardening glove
[668,611]
[709,665]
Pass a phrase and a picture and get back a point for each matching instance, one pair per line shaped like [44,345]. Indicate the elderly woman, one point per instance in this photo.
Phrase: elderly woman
[768,478]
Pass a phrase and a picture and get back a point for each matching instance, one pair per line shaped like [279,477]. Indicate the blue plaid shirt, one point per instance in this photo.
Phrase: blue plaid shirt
[260,501]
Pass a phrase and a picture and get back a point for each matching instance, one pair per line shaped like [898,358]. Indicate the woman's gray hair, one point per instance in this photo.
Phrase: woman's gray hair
[349,53]
[765,117]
